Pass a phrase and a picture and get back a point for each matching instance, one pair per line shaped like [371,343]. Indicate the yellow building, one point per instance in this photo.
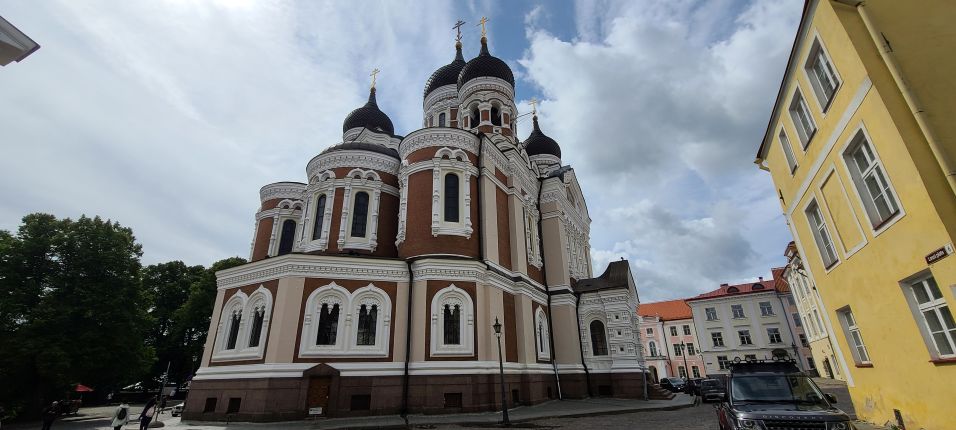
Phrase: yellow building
[861,147]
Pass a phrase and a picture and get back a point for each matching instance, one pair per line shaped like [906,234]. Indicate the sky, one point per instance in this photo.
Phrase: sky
[169,115]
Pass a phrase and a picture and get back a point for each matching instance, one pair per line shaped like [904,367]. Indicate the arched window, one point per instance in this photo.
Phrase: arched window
[234,330]
[495,116]
[451,319]
[360,214]
[328,324]
[366,324]
[598,338]
[451,198]
[258,317]
[541,334]
[653,348]
[287,237]
[475,117]
[319,218]
[441,119]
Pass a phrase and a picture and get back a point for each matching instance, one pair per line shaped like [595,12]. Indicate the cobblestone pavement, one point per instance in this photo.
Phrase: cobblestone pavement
[700,417]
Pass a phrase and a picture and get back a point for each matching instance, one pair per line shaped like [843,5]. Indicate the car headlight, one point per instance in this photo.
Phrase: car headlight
[750,424]
[840,425]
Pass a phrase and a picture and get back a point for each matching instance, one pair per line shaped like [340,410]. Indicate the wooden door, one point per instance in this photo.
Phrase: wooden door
[319,393]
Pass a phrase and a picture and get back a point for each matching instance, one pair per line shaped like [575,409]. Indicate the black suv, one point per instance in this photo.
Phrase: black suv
[775,395]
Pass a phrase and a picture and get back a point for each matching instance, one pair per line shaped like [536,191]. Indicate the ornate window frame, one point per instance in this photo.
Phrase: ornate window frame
[346,335]
[453,295]
[322,184]
[356,181]
[286,209]
[542,336]
[531,218]
[454,161]
[240,302]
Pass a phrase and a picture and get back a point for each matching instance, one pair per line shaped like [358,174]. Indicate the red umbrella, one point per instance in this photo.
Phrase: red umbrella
[80,388]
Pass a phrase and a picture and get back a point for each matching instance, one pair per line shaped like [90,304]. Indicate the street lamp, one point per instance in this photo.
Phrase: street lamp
[683,350]
[501,368]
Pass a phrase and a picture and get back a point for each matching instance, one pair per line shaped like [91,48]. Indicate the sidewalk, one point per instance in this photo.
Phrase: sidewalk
[552,409]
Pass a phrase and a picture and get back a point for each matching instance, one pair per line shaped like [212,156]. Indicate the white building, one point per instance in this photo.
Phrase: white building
[744,321]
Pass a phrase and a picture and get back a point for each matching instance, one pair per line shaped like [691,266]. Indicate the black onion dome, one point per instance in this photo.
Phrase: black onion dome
[485,65]
[538,143]
[369,116]
[362,146]
[447,74]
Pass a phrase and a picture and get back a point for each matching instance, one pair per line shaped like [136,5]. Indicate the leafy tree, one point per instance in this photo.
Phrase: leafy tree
[167,286]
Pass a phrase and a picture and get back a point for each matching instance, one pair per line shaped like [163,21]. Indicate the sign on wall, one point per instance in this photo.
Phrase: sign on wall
[939,254]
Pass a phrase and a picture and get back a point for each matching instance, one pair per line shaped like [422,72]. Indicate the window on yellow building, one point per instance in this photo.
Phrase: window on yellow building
[870,180]
[854,337]
[802,120]
[788,151]
[935,316]
[823,77]
[822,235]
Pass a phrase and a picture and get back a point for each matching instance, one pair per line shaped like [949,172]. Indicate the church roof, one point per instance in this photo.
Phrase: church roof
[447,74]
[485,65]
[369,116]
[617,275]
[538,143]
[363,146]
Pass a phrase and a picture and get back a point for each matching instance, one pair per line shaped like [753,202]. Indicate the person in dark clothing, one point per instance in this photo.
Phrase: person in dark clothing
[49,415]
[146,416]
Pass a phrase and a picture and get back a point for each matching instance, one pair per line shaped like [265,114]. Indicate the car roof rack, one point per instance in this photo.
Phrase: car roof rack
[774,365]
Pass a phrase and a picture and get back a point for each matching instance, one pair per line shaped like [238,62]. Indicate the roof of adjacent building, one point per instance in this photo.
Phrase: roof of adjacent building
[617,275]
[779,283]
[667,310]
[761,286]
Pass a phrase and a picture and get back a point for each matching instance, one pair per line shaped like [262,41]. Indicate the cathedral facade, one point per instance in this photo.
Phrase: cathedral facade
[374,287]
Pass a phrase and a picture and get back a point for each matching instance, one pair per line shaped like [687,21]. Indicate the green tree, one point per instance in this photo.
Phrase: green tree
[167,286]
[73,309]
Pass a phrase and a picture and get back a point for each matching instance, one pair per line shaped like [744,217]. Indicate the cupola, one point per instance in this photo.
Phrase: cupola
[447,74]
[485,65]
[370,117]
[538,143]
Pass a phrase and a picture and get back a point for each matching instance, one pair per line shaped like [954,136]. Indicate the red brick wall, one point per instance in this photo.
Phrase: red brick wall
[510,327]
[418,226]
[504,229]
[260,249]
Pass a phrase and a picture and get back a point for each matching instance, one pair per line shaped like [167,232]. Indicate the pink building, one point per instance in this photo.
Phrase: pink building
[672,331]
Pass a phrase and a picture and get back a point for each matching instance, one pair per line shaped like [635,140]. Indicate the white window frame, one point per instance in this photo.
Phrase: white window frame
[283,215]
[877,224]
[764,312]
[261,297]
[370,295]
[707,314]
[652,348]
[821,234]
[798,105]
[740,337]
[452,295]
[673,330]
[322,184]
[856,343]
[818,52]
[346,334]
[787,150]
[722,362]
[357,181]
[695,370]
[933,305]
[713,339]
[734,309]
[686,329]
[456,161]
[770,335]
[542,336]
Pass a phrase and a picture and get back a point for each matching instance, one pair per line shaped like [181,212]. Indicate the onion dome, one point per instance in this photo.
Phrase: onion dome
[538,143]
[447,74]
[362,146]
[370,117]
[485,65]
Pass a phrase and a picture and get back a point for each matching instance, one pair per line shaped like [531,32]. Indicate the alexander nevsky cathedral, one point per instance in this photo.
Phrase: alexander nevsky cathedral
[374,287]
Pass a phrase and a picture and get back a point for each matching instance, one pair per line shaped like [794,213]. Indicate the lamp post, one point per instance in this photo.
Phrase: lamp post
[501,368]
[683,352]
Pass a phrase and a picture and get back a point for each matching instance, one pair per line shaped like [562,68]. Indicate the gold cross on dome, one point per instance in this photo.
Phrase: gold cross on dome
[482,24]
[374,72]
[458,27]
[533,103]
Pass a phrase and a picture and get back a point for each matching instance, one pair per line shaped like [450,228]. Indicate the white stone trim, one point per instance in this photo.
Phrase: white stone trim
[279,190]
[453,295]
[246,306]
[438,137]
[351,159]
[322,184]
[250,371]
[346,336]
[370,182]
[313,266]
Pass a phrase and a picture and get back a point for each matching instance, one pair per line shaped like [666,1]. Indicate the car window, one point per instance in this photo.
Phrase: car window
[775,388]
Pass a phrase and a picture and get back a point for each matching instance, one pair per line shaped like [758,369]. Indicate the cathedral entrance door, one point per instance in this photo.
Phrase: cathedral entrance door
[319,394]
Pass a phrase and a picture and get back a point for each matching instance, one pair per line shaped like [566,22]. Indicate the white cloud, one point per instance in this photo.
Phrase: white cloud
[665,102]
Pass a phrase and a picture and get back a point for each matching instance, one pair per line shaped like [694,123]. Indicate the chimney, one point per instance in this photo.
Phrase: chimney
[760,278]
[724,285]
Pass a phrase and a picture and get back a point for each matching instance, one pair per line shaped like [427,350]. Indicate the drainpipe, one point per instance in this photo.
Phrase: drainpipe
[577,319]
[408,343]
[547,290]
[912,102]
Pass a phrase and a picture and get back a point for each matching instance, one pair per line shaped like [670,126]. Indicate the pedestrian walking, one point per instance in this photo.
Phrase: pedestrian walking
[120,416]
[49,414]
[146,416]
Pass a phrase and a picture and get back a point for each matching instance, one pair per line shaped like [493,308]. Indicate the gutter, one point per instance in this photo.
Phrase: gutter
[408,343]
[912,102]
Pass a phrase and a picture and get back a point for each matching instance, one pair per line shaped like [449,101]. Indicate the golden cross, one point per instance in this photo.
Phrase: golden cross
[482,24]
[533,102]
[374,72]
[458,27]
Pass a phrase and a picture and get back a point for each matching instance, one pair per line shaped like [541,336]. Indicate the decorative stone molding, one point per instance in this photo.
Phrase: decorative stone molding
[438,137]
[313,266]
[357,181]
[347,326]
[246,306]
[351,159]
[542,344]
[321,184]
[486,83]
[453,296]
[281,190]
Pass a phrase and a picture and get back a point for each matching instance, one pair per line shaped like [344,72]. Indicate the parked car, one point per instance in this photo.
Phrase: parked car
[178,409]
[673,384]
[776,394]
[711,389]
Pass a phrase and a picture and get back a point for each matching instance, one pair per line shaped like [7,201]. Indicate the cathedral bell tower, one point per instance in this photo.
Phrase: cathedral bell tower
[486,92]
